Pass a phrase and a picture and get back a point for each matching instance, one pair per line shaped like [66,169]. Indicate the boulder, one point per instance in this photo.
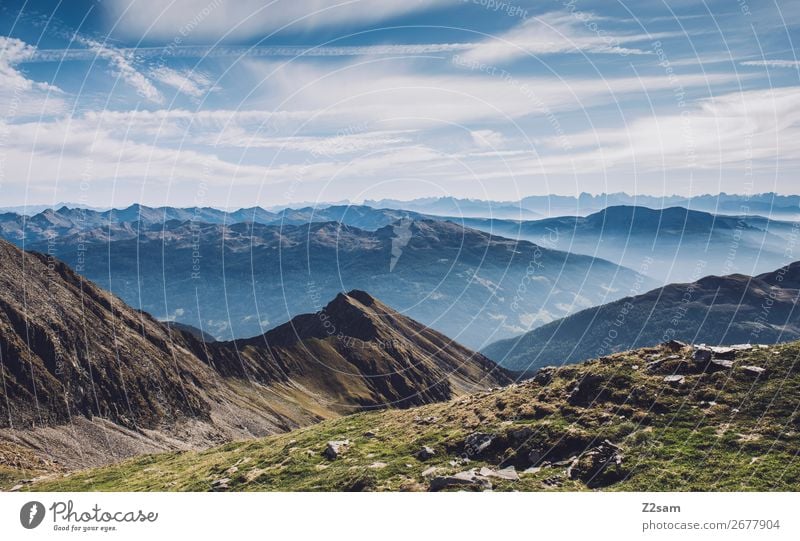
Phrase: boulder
[670,363]
[544,375]
[702,354]
[464,479]
[335,448]
[721,364]
[754,370]
[509,473]
[478,443]
[599,466]
[722,352]
[430,471]
[674,345]
[220,485]
[426,452]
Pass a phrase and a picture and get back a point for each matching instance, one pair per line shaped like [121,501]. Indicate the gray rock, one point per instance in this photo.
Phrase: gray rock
[721,364]
[544,375]
[478,442]
[426,452]
[702,354]
[430,471]
[335,448]
[220,484]
[599,466]
[722,352]
[509,473]
[462,479]
[653,366]
[674,345]
[754,370]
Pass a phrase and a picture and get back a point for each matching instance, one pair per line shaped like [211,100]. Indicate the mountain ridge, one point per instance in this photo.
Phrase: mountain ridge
[714,309]
[77,360]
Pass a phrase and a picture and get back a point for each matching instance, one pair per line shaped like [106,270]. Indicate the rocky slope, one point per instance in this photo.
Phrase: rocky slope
[667,418]
[713,310]
[86,379]
[359,352]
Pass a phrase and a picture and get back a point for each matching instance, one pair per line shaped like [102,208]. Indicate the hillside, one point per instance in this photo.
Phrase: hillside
[669,418]
[88,380]
[713,310]
[241,280]
[359,352]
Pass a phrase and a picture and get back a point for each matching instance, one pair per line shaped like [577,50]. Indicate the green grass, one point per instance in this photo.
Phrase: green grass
[722,431]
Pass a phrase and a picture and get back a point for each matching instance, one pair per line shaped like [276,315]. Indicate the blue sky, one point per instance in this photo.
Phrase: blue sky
[228,104]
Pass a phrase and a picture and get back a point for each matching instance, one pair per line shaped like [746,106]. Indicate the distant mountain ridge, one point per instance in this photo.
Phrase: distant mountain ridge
[675,241]
[125,223]
[714,310]
[240,280]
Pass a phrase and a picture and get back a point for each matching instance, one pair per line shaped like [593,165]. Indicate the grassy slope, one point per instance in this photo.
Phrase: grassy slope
[722,430]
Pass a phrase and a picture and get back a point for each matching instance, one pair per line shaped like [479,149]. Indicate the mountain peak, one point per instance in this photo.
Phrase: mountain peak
[361,296]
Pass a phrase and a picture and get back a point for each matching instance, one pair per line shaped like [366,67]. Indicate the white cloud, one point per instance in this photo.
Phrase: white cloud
[212,20]
[551,33]
[19,95]
[64,151]
[792,64]
[189,82]
[122,63]
[398,96]
[753,129]
[488,139]
[236,136]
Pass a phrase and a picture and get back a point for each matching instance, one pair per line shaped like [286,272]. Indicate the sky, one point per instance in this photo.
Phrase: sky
[239,103]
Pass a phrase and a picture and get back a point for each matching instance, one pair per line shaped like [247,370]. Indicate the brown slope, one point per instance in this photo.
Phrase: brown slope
[87,380]
[357,352]
[70,349]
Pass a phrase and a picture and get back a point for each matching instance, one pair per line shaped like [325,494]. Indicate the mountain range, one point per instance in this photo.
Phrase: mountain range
[87,379]
[669,245]
[240,280]
[538,206]
[714,310]
[126,223]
